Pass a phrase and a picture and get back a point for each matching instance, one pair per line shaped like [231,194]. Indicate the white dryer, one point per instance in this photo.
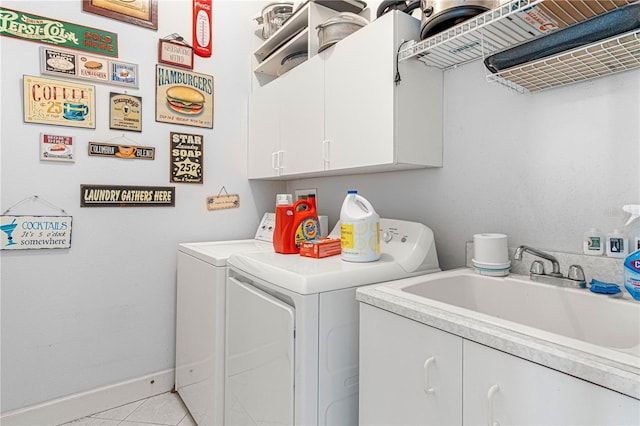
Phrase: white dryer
[200,316]
[292,329]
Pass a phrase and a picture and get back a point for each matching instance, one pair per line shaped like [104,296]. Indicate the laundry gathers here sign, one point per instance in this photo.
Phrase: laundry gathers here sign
[26,26]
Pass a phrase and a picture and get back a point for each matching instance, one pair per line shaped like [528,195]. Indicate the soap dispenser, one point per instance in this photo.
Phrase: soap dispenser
[617,244]
[593,242]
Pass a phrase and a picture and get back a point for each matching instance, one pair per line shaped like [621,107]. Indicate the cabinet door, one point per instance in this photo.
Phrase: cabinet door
[503,389]
[263,131]
[410,373]
[359,98]
[301,99]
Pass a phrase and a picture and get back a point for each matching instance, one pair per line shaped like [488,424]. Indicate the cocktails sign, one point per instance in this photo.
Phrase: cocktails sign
[35,232]
[26,26]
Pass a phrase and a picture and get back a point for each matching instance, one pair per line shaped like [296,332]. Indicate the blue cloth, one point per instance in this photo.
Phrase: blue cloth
[604,288]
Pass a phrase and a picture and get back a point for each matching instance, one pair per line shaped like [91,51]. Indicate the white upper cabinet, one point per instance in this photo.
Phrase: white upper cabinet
[286,124]
[341,111]
[370,121]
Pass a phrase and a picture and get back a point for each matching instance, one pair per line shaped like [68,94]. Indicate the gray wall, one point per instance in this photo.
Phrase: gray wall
[104,311]
[542,168]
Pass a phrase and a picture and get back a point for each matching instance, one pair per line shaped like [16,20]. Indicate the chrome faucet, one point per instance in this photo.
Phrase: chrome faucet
[554,262]
[575,276]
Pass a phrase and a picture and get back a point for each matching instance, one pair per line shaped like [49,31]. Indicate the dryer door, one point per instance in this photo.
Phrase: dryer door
[260,357]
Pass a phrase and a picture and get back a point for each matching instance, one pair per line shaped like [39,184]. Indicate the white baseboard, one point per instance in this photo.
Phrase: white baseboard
[82,404]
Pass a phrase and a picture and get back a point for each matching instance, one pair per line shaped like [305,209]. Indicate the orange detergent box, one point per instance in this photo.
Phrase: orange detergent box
[323,247]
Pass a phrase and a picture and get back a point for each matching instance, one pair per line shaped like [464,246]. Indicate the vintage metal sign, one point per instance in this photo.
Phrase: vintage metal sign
[127,196]
[76,66]
[97,149]
[35,232]
[184,97]
[57,147]
[58,102]
[219,202]
[26,26]
[202,26]
[186,158]
[125,112]
[175,53]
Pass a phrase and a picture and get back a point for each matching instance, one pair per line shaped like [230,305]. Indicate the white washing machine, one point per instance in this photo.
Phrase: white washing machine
[200,316]
[292,329]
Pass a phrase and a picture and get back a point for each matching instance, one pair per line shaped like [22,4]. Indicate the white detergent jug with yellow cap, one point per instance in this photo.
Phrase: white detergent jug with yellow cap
[359,229]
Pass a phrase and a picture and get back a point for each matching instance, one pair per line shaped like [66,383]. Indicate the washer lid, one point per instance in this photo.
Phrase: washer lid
[216,253]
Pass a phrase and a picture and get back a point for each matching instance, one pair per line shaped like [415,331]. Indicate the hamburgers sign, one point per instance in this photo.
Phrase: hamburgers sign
[184,97]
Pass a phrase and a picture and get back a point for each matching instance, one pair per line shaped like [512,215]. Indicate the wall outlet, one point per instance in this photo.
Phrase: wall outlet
[303,194]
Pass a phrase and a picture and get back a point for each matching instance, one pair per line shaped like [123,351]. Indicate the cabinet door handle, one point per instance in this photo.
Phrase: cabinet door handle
[281,164]
[490,395]
[426,387]
[325,153]
[274,160]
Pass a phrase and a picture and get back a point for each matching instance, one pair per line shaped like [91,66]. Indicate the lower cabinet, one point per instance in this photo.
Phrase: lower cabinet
[411,373]
[503,389]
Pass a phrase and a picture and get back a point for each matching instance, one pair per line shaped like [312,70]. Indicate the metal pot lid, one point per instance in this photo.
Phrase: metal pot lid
[344,18]
[279,7]
[293,56]
[449,18]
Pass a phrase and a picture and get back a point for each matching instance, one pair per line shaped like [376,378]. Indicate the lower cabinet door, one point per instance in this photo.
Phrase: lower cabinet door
[501,389]
[409,373]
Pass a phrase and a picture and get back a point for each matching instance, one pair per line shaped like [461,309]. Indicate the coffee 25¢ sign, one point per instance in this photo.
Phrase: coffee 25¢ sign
[57,102]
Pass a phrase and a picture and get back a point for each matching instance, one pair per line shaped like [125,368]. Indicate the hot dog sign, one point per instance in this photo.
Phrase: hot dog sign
[184,97]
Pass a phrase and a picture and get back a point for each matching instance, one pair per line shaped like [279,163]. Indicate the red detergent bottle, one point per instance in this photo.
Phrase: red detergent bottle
[284,232]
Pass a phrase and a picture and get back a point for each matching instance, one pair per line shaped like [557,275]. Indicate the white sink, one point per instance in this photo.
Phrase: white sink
[577,318]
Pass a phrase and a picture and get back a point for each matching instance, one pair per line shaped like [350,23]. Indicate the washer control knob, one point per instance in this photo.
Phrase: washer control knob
[387,236]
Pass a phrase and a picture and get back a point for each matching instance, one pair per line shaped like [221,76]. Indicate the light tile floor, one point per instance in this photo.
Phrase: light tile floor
[166,409]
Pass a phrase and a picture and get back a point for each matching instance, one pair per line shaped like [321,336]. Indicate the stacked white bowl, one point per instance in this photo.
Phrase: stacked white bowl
[491,254]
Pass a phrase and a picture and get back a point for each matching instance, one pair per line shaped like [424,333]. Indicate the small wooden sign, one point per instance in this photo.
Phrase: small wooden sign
[219,202]
[125,112]
[98,149]
[187,158]
[35,232]
[127,196]
[57,147]
[175,53]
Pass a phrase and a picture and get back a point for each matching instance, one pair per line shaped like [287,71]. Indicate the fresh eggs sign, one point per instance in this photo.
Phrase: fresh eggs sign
[36,28]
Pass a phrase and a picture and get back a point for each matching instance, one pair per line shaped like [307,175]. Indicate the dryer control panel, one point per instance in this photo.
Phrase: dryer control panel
[266,227]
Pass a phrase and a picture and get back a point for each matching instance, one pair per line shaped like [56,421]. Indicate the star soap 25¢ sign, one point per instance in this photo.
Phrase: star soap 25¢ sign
[186,158]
